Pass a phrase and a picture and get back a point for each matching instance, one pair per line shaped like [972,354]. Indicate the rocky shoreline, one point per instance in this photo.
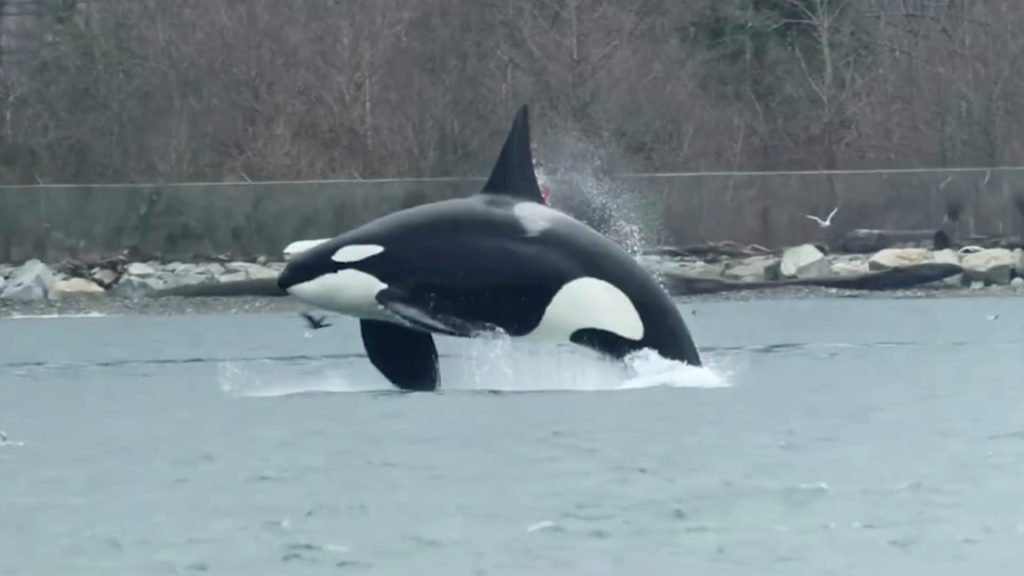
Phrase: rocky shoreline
[119,286]
[35,281]
[971,267]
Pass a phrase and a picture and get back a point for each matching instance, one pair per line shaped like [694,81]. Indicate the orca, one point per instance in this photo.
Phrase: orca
[500,260]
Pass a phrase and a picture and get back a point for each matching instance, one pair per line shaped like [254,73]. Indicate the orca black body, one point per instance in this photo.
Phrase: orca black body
[500,260]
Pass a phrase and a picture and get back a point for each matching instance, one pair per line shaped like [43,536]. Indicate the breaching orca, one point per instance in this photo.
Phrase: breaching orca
[500,260]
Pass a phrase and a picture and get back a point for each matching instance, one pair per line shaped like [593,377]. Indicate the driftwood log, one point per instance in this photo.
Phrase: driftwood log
[710,251]
[260,287]
[892,279]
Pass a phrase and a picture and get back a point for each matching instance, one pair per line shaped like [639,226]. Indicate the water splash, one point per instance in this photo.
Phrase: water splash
[486,364]
[494,364]
[574,168]
[651,370]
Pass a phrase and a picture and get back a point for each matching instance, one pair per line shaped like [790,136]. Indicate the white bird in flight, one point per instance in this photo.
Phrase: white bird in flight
[826,222]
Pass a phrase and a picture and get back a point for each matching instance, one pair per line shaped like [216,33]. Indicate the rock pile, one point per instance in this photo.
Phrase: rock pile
[35,280]
[993,266]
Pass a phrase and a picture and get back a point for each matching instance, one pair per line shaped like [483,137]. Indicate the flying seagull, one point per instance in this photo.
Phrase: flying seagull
[314,322]
[824,223]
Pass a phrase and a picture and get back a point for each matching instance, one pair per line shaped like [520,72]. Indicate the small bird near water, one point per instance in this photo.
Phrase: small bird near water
[314,322]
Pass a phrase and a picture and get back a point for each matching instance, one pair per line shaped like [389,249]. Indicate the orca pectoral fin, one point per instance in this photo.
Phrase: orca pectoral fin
[406,357]
[419,317]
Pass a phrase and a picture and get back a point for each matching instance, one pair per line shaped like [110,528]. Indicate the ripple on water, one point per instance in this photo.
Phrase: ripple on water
[919,445]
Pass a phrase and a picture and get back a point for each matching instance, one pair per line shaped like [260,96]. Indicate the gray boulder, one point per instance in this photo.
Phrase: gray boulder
[755,268]
[848,264]
[898,258]
[136,287]
[991,266]
[184,279]
[213,269]
[948,256]
[76,287]
[659,265]
[103,276]
[140,269]
[249,270]
[804,261]
[240,276]
[33,281]
[187,274]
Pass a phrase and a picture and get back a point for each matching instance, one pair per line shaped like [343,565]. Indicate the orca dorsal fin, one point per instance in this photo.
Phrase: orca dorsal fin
[512,174]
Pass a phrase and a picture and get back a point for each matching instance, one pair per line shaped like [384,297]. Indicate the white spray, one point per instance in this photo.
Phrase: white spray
[573,169]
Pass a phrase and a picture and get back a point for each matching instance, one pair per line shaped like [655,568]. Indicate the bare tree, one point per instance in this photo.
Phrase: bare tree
[150,90]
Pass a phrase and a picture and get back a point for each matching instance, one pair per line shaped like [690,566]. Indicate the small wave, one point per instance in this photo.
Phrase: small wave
[118,363]
[7,442]
[57,316]
[268,380]
[544,525]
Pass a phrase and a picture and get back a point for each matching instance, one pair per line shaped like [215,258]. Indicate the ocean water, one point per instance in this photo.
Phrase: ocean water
[827,436]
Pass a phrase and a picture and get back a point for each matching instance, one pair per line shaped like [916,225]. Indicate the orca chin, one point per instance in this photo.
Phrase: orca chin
[501,260]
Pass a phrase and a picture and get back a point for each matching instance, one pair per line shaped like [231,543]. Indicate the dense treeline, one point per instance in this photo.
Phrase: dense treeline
[171,90]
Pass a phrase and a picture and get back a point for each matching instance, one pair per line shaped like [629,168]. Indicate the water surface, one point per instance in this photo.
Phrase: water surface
[829,436]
